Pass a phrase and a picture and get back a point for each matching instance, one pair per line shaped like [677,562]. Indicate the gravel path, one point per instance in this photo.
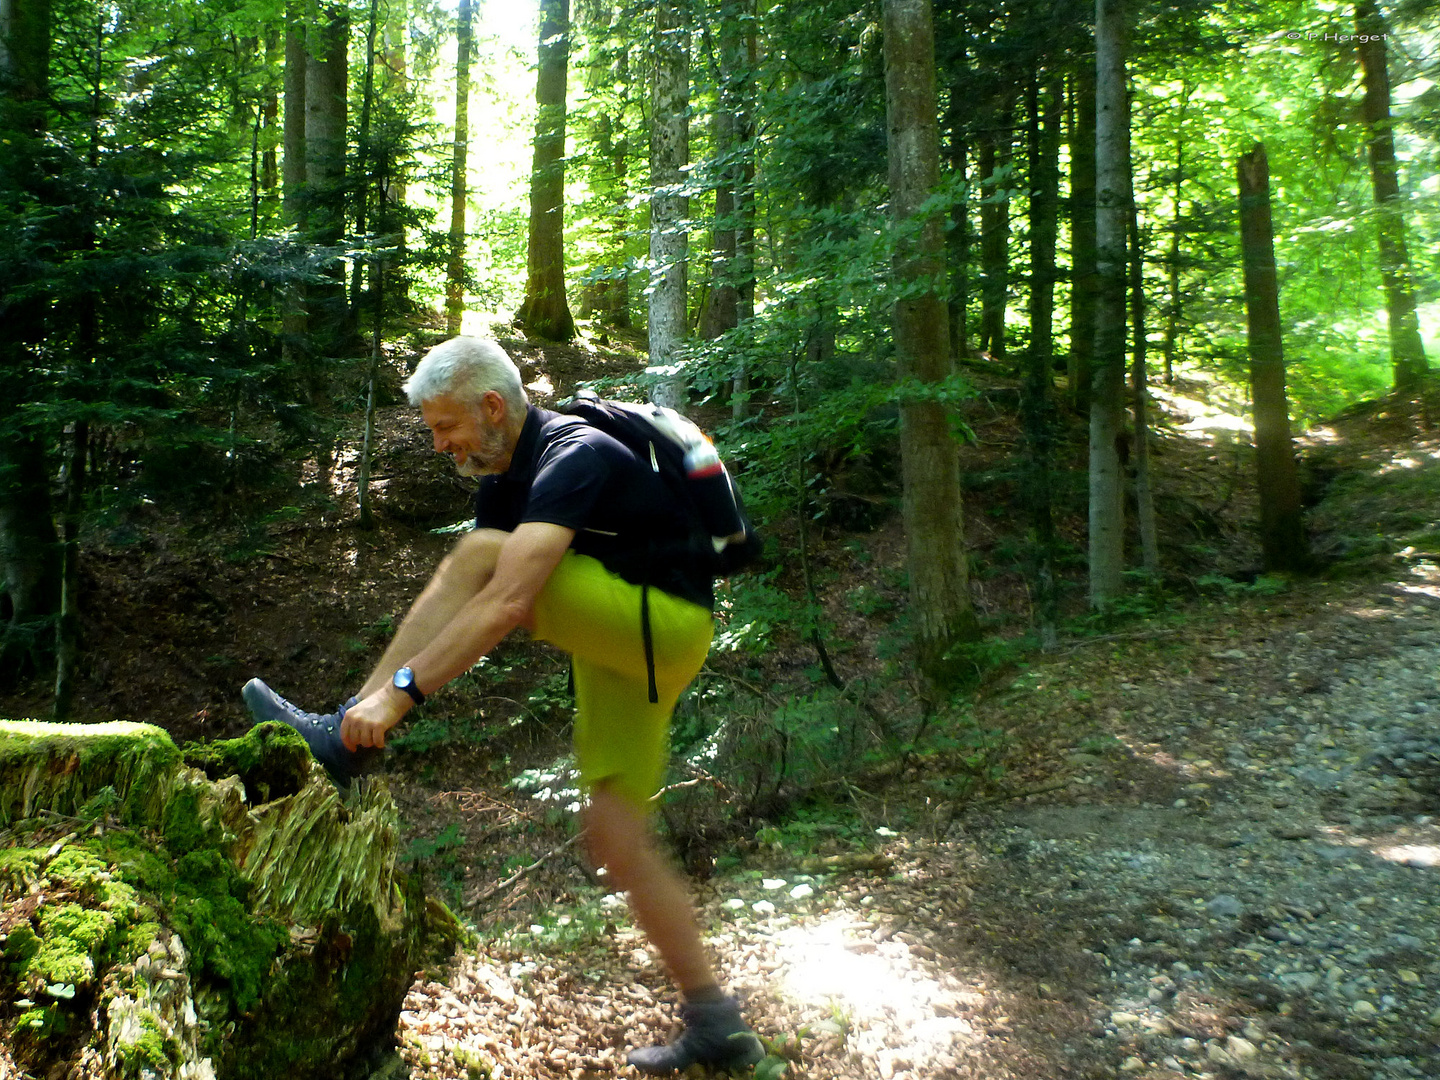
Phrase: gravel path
[1240,880]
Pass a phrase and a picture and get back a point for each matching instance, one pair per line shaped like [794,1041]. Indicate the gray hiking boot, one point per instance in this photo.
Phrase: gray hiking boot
[320,730]
[715,1036]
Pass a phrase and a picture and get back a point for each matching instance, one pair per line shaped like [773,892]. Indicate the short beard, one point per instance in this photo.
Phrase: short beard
[491,449]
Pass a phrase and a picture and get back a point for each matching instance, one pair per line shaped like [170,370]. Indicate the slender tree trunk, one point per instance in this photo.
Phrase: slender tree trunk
[1140,403]
[67,637]
[1083,281]
[722,306]
[1282,527]
[326,92]
[29,559]
[995,157]
[459,181]
[1407,352]
[1042,157]
[743,66]
[957,238]
[545,311]
[377,356]
[1174,307]
[669,206]
[934,522]
[395,84]
[1107,385]
[295,197]
[270,157]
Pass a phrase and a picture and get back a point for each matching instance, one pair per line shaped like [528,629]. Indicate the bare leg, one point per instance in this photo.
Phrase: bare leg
[463,573]
[621,839]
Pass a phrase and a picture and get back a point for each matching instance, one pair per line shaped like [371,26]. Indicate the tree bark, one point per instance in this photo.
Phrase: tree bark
[669,206]
[1083,281]
[459,179]
[1407,352]
[930,463]
[1107,386]
[1282,527]
[544,311]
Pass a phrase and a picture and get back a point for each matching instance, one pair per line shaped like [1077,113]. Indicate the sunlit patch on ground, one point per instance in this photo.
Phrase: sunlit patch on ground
[889,1006]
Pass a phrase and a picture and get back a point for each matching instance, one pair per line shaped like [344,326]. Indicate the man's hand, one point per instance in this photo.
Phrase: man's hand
[366,722]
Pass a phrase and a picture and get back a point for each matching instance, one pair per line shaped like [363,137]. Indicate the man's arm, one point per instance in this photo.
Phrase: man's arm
[525,563]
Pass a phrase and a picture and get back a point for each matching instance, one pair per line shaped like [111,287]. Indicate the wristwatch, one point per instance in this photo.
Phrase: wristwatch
[405,680]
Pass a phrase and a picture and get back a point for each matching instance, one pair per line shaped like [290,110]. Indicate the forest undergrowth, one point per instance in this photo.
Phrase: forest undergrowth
[841,832]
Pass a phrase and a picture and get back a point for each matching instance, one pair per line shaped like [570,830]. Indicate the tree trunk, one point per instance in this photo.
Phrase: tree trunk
[606,296]
[545,312]
[326,91]
[930,461]
[1140,403]
[1083,281]
[995,156]
[722,306]
[1282,527]
[1407,352]
[254,924]
[1107,385]
[67,635]
[29,558]
[669,206]
[1042,152]
[270,156]
[957,239]
[294,324]
[459,180]
[1173,308]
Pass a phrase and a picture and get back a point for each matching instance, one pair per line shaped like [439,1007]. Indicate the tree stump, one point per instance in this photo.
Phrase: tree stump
[213,912]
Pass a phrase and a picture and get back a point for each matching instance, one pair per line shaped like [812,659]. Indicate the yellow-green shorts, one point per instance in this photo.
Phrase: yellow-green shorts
[594,616]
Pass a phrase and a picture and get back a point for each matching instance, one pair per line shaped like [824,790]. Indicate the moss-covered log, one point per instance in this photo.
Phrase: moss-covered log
[217,912]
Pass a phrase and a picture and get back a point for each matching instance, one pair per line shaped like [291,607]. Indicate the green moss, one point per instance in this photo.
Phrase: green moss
[183,828]
[73,942]
[152,1049]
[19,867]
[208,910]
[271,760]
[20,948]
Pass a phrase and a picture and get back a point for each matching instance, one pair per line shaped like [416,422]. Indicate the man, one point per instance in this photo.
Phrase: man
[572,531]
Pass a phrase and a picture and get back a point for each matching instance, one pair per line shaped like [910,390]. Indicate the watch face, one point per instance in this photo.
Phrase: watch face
[404,678]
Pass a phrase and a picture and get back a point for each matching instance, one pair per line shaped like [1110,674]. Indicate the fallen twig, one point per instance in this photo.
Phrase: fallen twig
[494,890]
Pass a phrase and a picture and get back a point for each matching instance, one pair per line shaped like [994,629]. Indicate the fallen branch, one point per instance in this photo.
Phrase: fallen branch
[496,889]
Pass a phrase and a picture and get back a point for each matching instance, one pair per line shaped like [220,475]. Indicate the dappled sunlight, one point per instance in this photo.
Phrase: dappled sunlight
[834,963]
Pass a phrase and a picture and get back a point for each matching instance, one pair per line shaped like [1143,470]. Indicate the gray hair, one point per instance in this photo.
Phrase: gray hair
[467,368]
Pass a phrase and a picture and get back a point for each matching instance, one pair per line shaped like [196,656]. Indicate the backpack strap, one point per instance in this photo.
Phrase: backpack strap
[649,641]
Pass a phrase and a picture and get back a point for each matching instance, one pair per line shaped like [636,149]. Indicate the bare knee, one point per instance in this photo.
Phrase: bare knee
[617,835]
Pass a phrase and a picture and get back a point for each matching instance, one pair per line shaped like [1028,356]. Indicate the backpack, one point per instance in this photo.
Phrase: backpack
[723,538]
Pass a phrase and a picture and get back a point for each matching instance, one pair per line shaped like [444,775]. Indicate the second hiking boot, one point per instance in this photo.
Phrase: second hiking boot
[321,731]
[714,1036]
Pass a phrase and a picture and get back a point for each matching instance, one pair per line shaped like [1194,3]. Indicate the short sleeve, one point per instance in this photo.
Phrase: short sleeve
[569,477]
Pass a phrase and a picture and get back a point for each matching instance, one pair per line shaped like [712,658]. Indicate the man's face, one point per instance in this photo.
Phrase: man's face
[471,433]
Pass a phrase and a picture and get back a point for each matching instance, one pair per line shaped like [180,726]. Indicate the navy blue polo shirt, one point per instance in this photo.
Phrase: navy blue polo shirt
[568,473]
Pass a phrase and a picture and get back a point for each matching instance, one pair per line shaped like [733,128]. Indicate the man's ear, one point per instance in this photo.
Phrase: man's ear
[492,405]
